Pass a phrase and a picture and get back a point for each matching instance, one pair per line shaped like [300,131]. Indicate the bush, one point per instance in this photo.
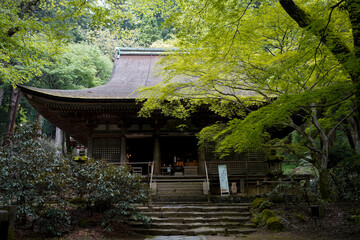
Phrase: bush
[53,221]
[38,182]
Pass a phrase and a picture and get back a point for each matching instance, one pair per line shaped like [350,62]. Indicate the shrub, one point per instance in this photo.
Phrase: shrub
[52,221]
[38,180]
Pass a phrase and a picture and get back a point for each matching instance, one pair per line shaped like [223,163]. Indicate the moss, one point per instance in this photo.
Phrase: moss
[265,215]
[275,224]
[257,202]
[256,218]
[265,205]
[354,219]
[78,201]
[300,218]
[89,222]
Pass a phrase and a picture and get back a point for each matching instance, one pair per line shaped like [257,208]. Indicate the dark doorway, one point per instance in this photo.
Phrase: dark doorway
[140,150]
[178,149]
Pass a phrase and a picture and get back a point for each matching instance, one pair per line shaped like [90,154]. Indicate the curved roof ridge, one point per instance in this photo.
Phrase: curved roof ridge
[130,72]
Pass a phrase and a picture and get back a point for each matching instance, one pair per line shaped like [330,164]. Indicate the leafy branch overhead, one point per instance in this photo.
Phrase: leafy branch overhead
[34,31]
[275,67]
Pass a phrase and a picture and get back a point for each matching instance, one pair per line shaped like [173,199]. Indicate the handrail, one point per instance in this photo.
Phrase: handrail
[207,177]
[152,173]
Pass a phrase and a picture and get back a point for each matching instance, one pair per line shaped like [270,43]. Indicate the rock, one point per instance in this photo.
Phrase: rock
[256,203]
[275,224]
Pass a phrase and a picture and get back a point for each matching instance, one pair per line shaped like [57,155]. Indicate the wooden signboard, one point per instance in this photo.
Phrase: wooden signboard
[224,184]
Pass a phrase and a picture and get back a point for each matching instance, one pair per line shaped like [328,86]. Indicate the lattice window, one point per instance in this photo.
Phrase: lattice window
[249,163]
[107,148]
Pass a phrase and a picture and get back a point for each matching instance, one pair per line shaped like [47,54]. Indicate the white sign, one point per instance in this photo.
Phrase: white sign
[224,184]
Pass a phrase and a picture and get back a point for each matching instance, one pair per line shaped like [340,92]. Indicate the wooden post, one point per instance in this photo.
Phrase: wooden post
[157,155]
[201,160]
[123,157]
[242,185]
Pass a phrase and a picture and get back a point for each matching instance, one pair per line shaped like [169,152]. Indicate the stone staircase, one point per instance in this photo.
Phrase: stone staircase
[195,219]
[186,190]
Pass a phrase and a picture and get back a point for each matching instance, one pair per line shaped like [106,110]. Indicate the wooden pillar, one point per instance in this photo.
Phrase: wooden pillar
[201,160]
[157,154]
[242,185]
[123,157]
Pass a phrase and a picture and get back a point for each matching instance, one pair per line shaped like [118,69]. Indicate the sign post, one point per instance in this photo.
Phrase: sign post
[224,184]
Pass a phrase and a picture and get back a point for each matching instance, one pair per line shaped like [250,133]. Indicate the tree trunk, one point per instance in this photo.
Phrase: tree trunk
[2,92]
[332,39]
[352,135]
[12,111]
[324,184]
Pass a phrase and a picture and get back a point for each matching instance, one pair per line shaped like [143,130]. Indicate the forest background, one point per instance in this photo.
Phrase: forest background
[285,73]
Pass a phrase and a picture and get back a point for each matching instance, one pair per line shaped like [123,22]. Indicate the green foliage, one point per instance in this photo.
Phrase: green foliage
[36,179]
[32,32]
[53,221]
[81,66]
[276,74]
[300,218]
[345,178]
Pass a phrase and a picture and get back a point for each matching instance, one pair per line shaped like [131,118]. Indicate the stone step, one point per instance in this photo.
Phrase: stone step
[165,198]
[182,226]
[169,188]
[195,219]
[180,194]
[174,182]
[179,189]
[203,204]
[193,232]
[195,214]
[185,208]
[200,220]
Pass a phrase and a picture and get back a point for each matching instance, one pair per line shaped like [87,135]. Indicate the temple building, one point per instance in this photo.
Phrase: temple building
[105,119]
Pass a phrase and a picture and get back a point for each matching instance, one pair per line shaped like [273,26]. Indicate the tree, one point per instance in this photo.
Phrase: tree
[81,66]
[32,31]
[250,62]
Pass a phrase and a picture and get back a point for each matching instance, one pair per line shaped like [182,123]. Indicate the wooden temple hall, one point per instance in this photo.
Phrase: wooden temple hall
[105,120]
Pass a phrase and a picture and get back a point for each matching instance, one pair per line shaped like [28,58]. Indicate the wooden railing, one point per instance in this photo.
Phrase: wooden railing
[240,168]
[138,167]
